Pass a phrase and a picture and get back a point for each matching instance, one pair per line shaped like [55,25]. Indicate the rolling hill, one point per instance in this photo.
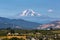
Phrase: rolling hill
[17,23]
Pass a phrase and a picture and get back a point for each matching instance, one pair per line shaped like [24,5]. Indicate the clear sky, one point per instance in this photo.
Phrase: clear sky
[10,8]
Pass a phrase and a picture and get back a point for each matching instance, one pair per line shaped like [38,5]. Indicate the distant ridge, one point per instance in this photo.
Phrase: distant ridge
[17,23]
[53,25]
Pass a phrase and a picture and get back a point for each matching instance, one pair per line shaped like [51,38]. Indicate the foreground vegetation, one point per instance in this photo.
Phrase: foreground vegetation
[37,34]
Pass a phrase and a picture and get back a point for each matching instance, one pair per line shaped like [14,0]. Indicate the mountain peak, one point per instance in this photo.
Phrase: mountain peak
[29,12]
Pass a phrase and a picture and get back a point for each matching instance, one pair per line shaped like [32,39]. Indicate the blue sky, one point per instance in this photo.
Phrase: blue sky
[10,8]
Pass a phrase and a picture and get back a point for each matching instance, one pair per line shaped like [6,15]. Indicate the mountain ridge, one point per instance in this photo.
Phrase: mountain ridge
[52,24]
[17,23]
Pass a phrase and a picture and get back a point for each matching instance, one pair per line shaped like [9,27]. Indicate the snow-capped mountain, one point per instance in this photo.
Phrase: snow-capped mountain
[33,16]
[29,12]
